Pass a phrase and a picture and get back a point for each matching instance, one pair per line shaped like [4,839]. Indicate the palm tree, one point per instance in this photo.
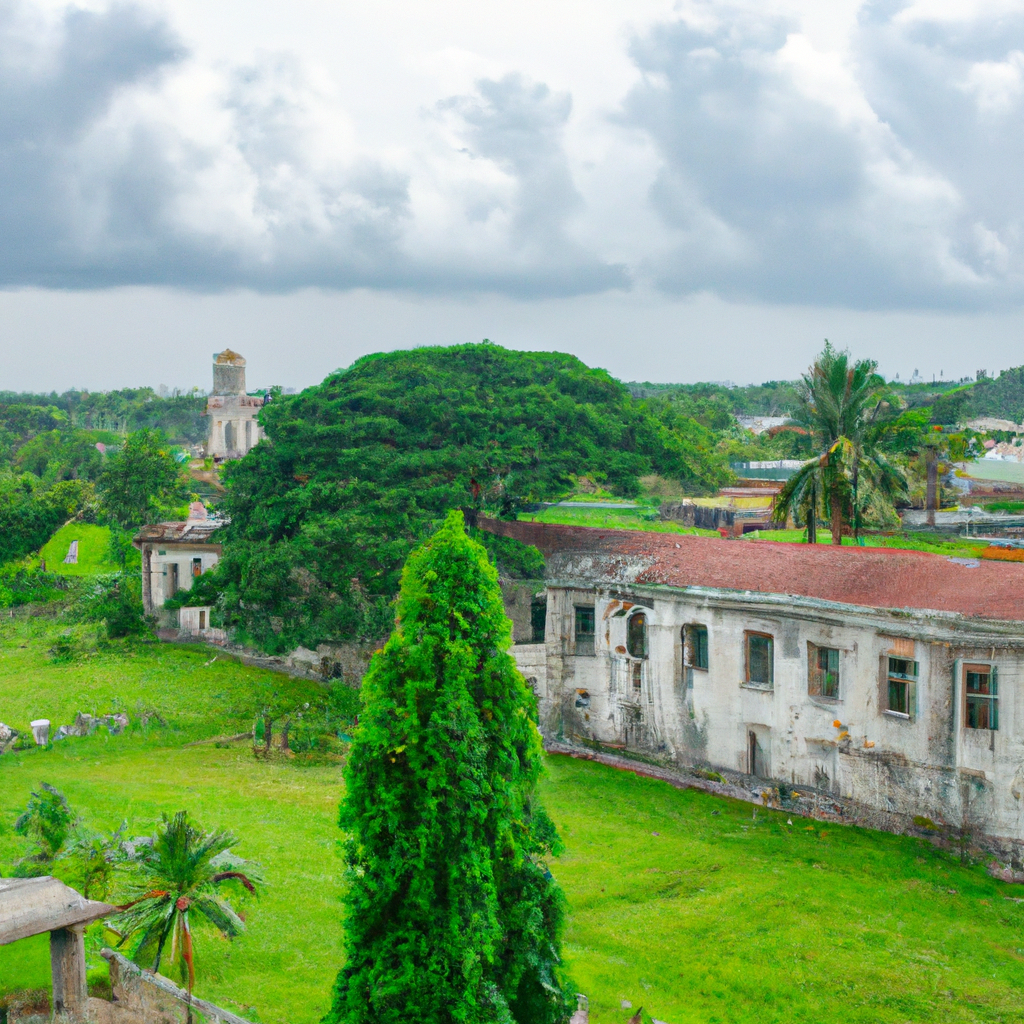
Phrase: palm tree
[840,403]
[183,873]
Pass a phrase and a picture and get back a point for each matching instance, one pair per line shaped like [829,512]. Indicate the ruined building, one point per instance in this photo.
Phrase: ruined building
[173,556]
[893,680]
[233,425]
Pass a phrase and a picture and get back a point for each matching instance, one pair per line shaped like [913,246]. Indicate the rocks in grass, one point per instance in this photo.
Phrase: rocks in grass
[8,737]
[40,731]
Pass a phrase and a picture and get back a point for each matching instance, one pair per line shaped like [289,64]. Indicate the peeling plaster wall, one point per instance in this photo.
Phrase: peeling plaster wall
[923,765]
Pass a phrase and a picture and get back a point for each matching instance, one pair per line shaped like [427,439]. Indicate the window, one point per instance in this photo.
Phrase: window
[695,646]
[585,620]
[822,671]
[760,660]
[539,618]
[636,635]
[981,695]
[197,567]
[638,678]
[902,677]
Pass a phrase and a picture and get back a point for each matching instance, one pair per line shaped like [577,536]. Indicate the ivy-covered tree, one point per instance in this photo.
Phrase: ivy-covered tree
[452,914]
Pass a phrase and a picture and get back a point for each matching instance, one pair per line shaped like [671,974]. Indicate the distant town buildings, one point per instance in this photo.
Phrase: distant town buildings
[234,428]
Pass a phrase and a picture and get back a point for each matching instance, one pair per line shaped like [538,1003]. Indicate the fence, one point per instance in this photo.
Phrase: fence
[156,1000]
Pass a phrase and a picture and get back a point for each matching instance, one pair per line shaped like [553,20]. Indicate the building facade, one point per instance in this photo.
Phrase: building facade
[234,427]
[891,679]
[173,556]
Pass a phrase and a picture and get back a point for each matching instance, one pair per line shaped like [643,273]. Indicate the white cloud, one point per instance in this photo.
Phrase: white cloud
[760,150]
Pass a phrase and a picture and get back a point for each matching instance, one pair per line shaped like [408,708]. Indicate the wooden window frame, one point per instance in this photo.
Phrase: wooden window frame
[691,647]
[892,677]
[990,699]
[748,635]
[814,673]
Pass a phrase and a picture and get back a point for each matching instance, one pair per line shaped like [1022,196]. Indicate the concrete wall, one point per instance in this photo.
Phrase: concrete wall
[925,764]
[161,560]
[234,429]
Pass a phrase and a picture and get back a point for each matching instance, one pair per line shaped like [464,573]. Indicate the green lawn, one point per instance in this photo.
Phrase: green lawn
[640,518]
[960,547]
[677,900]
[199,691]
[93,543]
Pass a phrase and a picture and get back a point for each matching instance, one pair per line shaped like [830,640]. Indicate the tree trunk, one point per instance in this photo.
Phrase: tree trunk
[931,501]
[284,733]
[812,516]
[837,516]
[268,732]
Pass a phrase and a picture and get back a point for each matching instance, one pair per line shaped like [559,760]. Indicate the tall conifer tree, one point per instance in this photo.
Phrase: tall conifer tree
[452,915]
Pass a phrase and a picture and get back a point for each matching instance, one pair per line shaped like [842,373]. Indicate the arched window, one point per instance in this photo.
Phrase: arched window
[636,635]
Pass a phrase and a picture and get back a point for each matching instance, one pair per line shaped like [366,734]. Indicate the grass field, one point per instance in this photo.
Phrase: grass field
[640,518]
[679,901]
[93,542]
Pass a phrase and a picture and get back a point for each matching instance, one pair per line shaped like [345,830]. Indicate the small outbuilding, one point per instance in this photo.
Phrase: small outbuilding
[31,906]
[173,556]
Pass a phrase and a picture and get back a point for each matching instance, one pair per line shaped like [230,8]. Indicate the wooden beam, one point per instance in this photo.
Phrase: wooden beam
[67,964]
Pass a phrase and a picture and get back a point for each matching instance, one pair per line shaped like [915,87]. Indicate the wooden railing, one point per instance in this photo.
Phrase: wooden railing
[156,999]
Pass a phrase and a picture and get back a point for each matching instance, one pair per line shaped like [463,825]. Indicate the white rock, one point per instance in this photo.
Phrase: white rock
[40,731]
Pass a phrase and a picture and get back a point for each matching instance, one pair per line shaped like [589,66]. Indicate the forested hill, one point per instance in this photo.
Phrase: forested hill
[1001,397]
[359,467]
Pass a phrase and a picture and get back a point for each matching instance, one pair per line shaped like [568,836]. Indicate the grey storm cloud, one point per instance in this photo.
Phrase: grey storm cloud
[896,184]
[519,125]
[101,186]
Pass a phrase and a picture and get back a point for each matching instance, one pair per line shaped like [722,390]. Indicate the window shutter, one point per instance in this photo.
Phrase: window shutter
[994,681]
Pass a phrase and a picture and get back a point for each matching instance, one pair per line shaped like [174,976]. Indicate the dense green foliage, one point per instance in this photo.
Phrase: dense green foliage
[359,468]
[452,915]
[30,512]
[179,415]
[141,481]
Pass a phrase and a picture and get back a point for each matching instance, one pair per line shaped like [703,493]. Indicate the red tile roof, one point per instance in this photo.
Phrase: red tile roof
[871,577]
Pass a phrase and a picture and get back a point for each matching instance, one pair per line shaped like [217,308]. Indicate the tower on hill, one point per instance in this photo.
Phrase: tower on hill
[234,429]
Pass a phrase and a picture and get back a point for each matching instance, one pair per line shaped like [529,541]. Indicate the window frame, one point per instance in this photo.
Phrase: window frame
[646,638]
[754,634]
[692,646]
[537,604]
[907,680]
[589,638]
[978,699]
[816,675]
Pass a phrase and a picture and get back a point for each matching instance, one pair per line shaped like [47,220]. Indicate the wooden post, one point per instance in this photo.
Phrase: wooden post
[67,964]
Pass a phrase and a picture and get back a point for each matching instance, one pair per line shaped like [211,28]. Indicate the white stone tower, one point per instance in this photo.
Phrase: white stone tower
[233,426]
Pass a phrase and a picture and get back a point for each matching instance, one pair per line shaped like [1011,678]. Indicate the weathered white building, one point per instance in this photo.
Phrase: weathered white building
[173,556]
[234,427]
[892,679]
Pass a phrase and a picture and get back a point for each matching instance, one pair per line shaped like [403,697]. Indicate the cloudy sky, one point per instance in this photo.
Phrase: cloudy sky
[674,190]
